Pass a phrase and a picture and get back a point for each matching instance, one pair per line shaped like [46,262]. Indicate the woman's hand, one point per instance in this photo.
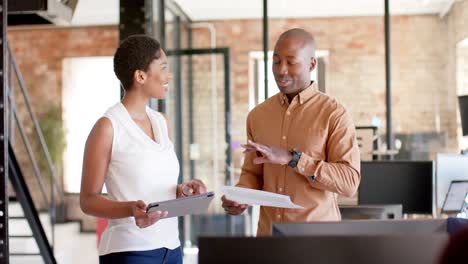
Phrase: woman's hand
[143,219]
[191,187]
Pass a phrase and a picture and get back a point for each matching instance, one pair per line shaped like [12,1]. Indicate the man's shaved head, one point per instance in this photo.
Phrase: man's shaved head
[293,60]
[300,34]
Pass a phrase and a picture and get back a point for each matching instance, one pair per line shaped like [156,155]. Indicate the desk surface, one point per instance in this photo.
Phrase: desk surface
[362,228]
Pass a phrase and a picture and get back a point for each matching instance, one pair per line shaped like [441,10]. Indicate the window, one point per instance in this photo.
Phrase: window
[90,87]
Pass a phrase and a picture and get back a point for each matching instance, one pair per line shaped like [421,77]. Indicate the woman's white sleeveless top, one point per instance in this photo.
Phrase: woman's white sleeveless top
[140,169]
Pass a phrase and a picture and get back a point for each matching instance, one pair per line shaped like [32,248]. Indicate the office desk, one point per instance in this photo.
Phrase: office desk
[322,249]
[362,227]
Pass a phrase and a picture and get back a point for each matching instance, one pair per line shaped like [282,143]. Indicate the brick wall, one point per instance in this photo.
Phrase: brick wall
[462,69]
[457,23]
[458,18]
[39,53]
[356,71]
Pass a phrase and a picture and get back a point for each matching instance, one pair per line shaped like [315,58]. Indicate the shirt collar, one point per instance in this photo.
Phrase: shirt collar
[303,96]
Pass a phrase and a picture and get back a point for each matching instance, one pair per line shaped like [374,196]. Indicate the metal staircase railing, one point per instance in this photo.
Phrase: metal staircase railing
[55,196]
[30,213]
[12,123]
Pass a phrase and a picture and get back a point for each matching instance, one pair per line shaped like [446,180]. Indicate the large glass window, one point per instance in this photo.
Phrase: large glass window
[89,89]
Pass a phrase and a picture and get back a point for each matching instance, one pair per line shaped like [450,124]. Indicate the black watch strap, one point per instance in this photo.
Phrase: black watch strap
[296,155]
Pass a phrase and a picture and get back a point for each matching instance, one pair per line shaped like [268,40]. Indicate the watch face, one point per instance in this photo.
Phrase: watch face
[295,158]
[292,164]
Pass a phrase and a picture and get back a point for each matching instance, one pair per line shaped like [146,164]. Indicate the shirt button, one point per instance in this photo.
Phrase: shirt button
[284,137]
[279,216]
[280,189]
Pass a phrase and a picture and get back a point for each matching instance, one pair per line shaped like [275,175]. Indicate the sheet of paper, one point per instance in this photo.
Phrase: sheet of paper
[256,197]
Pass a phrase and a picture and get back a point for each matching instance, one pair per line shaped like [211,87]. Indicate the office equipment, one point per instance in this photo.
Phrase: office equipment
[195,204]
[464,213]
[409,183]
[455,198]
[383,212]
[322,249]
[449,167]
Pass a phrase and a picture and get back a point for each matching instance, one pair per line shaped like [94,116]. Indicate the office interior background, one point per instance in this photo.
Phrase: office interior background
[400,67]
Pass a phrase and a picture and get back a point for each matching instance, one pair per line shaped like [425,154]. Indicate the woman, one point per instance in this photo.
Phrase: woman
[129,150]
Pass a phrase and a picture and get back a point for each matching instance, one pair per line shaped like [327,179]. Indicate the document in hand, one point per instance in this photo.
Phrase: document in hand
[195,204]
[256,197]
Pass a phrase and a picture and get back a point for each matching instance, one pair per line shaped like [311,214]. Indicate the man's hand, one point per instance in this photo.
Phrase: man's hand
[192,187]
[143,219]
[267,154]
[232,207]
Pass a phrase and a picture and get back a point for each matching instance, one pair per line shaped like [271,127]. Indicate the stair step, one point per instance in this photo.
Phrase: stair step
[16,217]
[26,259]
[64,252]
[23,244]
[21,236]
[15,209]
[24,254]
[19,227]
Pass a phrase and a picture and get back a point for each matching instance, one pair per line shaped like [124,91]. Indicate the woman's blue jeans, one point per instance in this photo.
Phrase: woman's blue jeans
[155,256]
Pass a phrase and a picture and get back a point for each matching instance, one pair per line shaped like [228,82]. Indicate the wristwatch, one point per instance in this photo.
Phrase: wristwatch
[296,155]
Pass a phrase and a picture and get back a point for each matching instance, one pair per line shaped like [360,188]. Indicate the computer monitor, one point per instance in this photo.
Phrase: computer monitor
[455,198]
[449,167]
[362,249]
[409,183]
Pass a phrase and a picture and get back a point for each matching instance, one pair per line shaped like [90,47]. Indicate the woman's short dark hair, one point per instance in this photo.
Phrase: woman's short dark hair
[134,53]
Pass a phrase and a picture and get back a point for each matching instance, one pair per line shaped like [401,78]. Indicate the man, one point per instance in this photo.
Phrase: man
[301,142]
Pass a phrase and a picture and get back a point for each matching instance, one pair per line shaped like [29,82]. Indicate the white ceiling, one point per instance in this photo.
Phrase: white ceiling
[105,12]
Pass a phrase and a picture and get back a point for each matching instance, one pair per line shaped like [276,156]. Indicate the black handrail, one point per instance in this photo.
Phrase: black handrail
[30,152]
